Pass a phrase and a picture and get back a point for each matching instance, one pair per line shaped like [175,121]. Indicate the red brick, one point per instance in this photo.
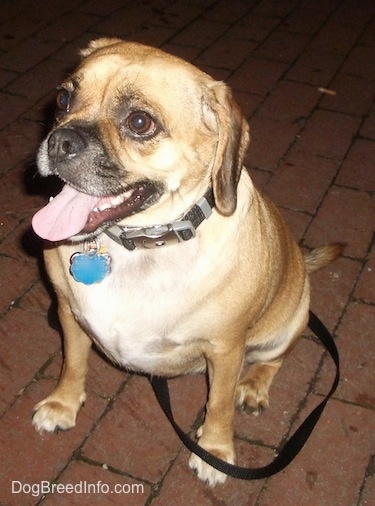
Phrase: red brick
[225,53]
[103,487]
[368,37]
[12,107]
[368,127]
[176,16]
[137,421]
[296,221]
[253,27]
[305,21]
[354,95]
[215,73]
[320,5]
[353,15]
[357,355]
[331,288]
[335,39]
[29,53]
[289,101]
[127,19]
[357,170]
[257,76]
[345,216]
[259,177]
[283,46]
[328,134]
[277,9]
[16,277]
[188,53]
[315,67]
[36,300]
[16,201]
[248,102]
[29,457]
[228,11]
[365,289]
[368,492]
[99,8]
[325,472]
[18,142]
[68,26]
[201,33]
[181,486]
[301,181]
[6,77]
[270,141]
[26,344]
[358,63]
[33,87]
[152,35]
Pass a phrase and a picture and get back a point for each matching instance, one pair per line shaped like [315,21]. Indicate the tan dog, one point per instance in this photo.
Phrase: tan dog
[146,144]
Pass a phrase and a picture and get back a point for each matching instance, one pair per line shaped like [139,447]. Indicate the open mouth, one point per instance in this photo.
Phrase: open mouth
[110,209]
[73,212]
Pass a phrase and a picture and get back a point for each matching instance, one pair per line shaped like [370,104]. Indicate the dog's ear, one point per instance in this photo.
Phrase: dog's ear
[223,115]
[96,44]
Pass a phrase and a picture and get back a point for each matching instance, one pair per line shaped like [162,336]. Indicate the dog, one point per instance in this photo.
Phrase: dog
[159,247]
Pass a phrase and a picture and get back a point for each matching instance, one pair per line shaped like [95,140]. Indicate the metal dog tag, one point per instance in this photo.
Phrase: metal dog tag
[90,266]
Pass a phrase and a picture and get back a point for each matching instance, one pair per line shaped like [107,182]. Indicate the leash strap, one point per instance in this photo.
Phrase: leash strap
[291,447]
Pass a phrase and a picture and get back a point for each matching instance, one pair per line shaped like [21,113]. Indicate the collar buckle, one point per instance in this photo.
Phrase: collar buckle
[154,237]
[157,236]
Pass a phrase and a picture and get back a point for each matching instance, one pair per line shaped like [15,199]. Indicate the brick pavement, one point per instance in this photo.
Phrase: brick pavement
[313,153]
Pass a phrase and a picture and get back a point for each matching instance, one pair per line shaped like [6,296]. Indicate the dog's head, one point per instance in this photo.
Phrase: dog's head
[139,137]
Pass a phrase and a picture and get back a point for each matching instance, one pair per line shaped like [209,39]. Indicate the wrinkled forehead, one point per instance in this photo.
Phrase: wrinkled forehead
[162,82]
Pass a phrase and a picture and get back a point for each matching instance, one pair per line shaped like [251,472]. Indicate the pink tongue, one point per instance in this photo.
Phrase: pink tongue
[65,215]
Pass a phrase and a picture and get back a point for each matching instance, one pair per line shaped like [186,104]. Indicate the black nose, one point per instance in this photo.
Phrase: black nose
[65,143]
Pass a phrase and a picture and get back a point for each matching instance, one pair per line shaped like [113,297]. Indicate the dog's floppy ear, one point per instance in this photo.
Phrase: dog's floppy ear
[96,44]
[222,114]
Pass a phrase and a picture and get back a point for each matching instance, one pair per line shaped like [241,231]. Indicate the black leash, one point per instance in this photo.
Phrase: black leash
[291,447]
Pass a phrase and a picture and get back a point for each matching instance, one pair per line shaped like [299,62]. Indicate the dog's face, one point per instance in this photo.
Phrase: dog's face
[139,137]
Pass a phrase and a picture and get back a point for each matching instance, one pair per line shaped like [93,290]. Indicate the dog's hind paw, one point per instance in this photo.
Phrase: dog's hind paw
[207,473]
[251,400]
[52,414]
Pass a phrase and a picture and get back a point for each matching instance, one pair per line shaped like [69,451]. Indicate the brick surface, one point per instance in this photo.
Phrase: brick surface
[30,457]
[266,148]
[357,356]
[300,182]
[313,153]
[342,218]
[328,134]
[365,289]
[357,170]
[317,467]
[96,485]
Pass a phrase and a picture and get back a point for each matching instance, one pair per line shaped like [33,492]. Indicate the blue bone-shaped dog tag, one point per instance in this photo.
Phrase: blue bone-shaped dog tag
[90,267]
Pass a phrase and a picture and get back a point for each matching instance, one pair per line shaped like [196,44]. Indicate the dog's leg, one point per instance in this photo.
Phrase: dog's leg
[216,433]
[252,391]
[60,408]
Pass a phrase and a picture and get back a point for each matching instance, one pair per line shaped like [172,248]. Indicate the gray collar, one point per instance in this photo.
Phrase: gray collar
[162,235]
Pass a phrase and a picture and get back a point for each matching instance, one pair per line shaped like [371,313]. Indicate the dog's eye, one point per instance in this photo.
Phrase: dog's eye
[141,124]
[63,100]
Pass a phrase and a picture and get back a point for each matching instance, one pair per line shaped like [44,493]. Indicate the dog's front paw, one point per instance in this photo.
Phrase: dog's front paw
[53,414]
[207,473]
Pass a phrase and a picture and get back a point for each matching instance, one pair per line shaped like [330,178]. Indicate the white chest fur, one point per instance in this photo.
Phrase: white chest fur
[150,313]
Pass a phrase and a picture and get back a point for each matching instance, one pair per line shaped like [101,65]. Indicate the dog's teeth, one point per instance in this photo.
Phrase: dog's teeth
[95,210]
[50,199]
[104,206]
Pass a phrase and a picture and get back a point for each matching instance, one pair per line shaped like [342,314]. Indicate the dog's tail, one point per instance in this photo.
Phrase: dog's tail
[322,256]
